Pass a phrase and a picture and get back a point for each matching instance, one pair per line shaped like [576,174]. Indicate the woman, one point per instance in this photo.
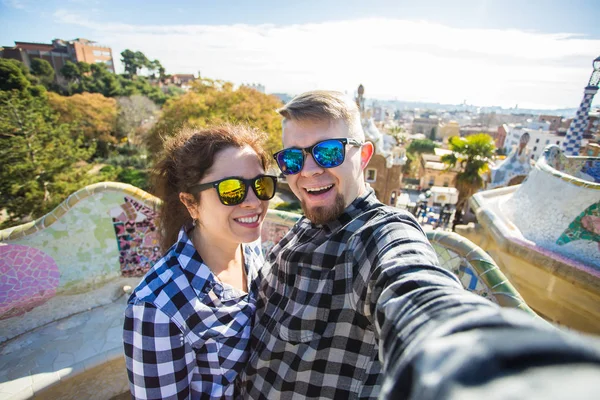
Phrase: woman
[187,324]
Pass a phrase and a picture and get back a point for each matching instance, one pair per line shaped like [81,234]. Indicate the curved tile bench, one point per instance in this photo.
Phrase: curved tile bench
[476,270]
[545,236]
[65,277]
[62,293]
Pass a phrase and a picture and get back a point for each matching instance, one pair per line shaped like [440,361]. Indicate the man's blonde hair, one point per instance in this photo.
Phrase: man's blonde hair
[324,105]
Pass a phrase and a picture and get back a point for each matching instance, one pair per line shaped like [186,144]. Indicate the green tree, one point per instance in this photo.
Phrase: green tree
[472,155]
[42,69]
[13,75]
[90,114]
[419,146]
[38,155]
[215,102]
[100,80]
[432,134]
[157,71]
[413,152]
[84,67]
[399,134]
[141,85]
[129,62]
[134,61]
[70,71]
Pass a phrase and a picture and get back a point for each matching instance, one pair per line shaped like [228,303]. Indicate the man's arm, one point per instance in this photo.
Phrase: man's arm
[438,340]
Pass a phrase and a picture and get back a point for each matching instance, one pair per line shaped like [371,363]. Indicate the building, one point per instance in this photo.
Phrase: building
[448,129]
[59,52]
[386,182]
[539,138]
[183,81]
[433,172]
[426,126]
[90,52]
[468,130]
[591,150]
[256,86]
[384,171]
[553,120]
[500,136]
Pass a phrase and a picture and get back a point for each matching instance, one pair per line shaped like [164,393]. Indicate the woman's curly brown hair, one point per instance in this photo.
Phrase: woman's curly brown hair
[185,160]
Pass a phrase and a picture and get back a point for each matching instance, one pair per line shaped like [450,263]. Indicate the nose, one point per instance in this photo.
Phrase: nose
[251,201]
[310,166]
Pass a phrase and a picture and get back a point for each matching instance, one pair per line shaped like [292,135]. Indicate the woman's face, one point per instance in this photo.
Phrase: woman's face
[231,224]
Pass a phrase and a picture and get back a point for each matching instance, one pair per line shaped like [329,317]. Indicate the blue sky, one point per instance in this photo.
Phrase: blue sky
[532,53]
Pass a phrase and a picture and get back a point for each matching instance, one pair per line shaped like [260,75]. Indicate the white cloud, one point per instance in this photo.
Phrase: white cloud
[410,60]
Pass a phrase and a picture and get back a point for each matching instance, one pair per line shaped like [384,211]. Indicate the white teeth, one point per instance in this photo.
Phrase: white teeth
[249,220]
[317,189]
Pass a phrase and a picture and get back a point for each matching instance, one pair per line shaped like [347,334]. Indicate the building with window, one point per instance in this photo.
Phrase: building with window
[448,129]
[60,51]
[256,86]
[433,172]
[183,81]
[384,171]
[539,138]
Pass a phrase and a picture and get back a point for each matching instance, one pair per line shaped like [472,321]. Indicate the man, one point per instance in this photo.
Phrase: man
[353,295]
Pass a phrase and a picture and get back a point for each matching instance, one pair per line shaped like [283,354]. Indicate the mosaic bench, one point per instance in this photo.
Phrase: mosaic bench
[476,270]
[65,277]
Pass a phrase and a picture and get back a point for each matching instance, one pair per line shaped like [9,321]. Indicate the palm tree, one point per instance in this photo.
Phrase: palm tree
[472,154]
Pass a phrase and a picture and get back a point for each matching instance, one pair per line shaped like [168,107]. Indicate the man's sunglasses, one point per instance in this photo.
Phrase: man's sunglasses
[328,153]
[233,190]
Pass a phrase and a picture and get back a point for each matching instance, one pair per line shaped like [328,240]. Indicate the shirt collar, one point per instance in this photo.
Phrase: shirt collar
[357,207]
[199,275]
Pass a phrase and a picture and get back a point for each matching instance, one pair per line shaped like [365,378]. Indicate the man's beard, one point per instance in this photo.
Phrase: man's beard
[323,215]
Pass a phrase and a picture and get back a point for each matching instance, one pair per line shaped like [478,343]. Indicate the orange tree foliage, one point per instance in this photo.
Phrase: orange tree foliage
[211,102]
[90,114]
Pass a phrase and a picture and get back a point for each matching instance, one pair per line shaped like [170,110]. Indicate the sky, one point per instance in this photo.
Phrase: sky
[534,54]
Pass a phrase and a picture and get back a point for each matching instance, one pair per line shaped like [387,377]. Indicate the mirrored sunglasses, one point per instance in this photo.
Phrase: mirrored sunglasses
[233,190]
[328,153]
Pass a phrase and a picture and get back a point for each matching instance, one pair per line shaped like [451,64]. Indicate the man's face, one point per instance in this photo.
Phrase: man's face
[324,192]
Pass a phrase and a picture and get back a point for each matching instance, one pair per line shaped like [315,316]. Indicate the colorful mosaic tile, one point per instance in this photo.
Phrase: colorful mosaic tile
[271,234]
[585,227]
[516,164]
[592,170]
[28,278]
[463,270]
[137,237]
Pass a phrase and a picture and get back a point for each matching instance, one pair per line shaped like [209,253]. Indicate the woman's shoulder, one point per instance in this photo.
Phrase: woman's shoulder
[159,282]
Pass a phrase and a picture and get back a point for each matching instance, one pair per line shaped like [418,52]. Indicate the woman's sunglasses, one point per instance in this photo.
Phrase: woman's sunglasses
[328,153]
[233,190]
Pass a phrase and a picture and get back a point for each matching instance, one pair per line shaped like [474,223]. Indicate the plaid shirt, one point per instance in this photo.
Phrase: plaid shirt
[328,297]
[186,334]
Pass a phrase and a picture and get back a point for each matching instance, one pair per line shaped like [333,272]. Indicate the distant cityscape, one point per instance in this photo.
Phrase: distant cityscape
[390,124]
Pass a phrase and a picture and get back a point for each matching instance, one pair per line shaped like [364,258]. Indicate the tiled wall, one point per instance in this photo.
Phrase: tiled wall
[558,206]
[99,233]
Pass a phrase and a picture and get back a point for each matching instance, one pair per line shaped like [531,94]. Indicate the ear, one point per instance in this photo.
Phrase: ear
[366,152]
[189,202]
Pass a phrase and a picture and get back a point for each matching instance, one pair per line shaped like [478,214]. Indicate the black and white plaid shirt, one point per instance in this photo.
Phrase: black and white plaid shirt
[186,334]
[325,298]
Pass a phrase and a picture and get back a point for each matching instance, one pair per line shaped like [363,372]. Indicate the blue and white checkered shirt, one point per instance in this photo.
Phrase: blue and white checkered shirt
[186,334]
[328,303]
